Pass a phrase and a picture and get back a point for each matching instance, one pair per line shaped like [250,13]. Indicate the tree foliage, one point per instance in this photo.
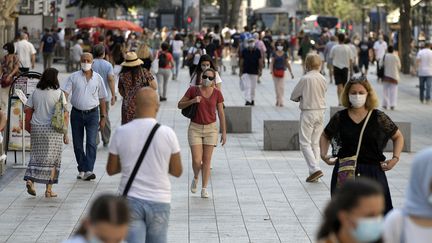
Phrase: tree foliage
[105,4]
[347,10]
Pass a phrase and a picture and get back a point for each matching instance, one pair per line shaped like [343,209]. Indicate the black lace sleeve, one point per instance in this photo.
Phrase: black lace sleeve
[332,127]
[388,127]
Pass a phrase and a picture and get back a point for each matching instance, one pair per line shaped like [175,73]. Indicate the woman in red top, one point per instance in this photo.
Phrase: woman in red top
[165,63]
[203,132]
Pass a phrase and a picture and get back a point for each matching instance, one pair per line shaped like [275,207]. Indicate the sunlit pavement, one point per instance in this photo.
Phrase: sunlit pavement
[255,195]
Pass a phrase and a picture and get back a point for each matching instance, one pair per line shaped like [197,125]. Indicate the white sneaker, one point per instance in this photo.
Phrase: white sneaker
[89,176]
[194,185]
[204,193]
[80,175]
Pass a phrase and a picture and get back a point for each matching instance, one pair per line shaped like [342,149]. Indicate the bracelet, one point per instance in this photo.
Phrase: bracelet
[395,157]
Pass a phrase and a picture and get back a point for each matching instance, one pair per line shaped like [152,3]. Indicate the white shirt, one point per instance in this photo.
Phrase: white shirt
[85,94]
[218,79]
[380,49]
[397,224]
[24,51]
[75,52]
[43,102]
[152,180]
[196,54]
[425,65]
[341,55]
[310,91]
[177,46]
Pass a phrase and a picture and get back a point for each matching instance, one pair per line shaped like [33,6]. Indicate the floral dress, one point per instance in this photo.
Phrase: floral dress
[129,83]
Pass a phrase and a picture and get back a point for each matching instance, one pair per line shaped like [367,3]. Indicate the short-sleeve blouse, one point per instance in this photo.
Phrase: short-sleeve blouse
[206,111]
[344,134]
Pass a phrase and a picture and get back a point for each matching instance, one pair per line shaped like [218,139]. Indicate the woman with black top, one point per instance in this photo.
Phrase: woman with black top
[343,131]
[144,53]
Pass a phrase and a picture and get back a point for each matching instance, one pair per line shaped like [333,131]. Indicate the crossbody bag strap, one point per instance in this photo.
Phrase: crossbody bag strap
[361,134]
[140,159]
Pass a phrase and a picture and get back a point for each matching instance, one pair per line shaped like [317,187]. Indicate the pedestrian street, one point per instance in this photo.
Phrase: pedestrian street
[255,195]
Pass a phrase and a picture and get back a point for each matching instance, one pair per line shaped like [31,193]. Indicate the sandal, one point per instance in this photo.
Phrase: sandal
[50,194]
[30,188]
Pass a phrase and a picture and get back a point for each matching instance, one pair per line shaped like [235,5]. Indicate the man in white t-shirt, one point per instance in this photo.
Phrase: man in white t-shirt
[380,48]
[424,68]
[26,52]
[342,59]
[149,195]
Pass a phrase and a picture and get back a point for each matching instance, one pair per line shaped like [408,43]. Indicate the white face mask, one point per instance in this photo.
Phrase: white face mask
[198,45]
[357,100]
[280,48]
[5,52]
[207,82]
[86,66]
[204,67]
[246,45]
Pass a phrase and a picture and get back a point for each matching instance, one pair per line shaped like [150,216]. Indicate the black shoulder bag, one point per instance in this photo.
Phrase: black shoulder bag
[140,159]
[191,110]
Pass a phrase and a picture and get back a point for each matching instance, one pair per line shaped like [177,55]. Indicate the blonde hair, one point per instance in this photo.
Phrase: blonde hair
[371,100]
[143,51]
[313,62]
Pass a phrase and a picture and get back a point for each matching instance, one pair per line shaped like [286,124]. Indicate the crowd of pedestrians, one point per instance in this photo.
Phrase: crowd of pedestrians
[140,68]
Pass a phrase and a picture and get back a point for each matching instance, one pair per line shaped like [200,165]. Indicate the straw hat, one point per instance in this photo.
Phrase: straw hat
[131,60]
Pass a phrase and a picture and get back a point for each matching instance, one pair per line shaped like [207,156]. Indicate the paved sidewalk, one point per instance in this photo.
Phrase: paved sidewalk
[256,195]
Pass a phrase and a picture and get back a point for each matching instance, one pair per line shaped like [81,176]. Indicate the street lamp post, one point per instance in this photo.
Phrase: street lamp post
[364,8]
[423,5]
[379,7]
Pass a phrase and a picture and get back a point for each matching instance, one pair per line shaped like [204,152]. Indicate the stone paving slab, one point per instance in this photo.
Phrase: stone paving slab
[256,195]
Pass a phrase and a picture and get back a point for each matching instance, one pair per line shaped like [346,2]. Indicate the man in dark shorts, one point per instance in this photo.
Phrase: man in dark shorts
[342,59]
[364,49]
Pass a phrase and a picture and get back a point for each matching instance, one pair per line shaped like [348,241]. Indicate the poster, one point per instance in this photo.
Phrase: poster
[16,126]
[31,85]
[21,83]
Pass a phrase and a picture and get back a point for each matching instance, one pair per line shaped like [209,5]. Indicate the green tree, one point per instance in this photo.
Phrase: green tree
[103,5]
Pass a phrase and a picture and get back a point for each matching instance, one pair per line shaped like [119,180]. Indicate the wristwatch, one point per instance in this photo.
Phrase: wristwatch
[102,116]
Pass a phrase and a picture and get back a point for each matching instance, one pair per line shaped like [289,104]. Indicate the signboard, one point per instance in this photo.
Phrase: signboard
[16,126]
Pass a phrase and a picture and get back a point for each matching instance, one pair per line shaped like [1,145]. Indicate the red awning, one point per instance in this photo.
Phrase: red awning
[122,25]
[90,22]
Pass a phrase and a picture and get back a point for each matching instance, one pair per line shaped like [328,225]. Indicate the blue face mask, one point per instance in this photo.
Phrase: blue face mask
[94,239]
[368,229]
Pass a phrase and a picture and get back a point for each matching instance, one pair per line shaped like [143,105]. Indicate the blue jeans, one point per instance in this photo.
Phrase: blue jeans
[425,85]
[149,221]
[177,63]
[90,123]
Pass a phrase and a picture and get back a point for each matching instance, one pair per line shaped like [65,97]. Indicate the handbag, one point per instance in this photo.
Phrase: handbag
[380,73]
[58,119]
[348,165]
[191,110]
[278,73]
[28,117]
[140,160]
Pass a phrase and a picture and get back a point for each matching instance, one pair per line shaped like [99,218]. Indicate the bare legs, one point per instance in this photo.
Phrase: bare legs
[201,161]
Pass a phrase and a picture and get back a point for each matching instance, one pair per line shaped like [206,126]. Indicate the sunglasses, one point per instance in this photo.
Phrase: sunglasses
[208,77]
[360,79]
